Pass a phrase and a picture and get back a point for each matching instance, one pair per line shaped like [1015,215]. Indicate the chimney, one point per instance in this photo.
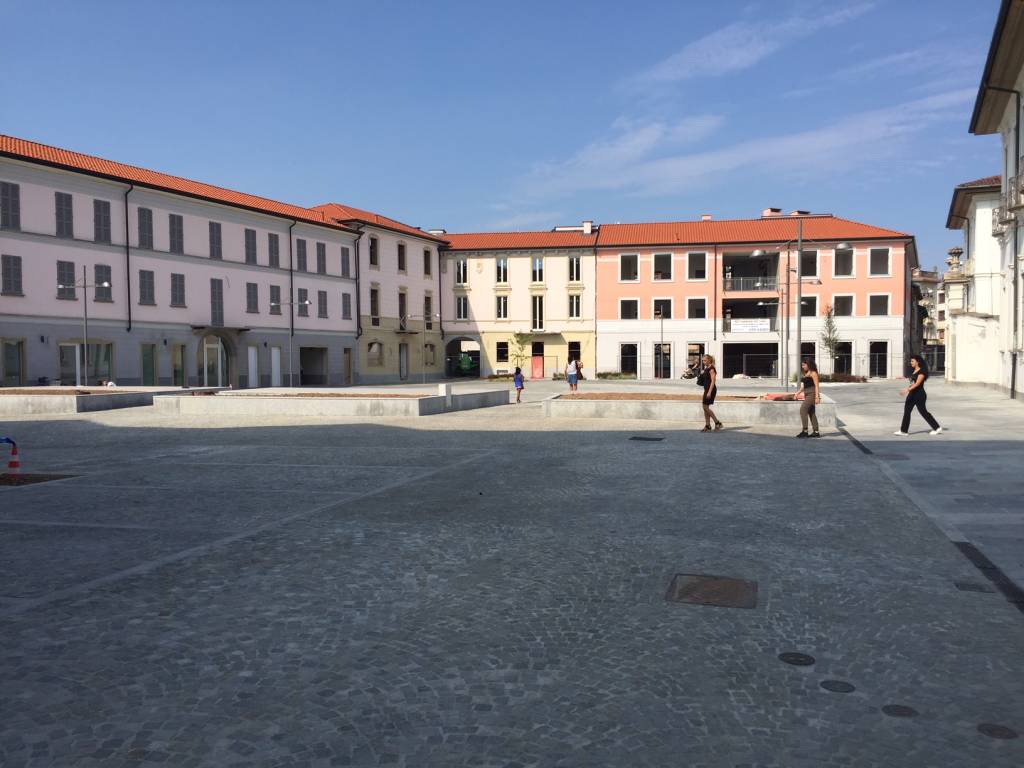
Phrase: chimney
[798,212]
[588,227]
[705,217]
[769,212]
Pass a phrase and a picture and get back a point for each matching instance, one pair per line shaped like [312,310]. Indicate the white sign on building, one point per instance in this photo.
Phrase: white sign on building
[751,324]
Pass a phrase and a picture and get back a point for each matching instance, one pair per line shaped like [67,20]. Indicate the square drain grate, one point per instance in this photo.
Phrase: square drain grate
[703,589]
[647,439]
[30,479]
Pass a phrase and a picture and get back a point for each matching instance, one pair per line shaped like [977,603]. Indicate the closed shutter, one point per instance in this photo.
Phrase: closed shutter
[216,302]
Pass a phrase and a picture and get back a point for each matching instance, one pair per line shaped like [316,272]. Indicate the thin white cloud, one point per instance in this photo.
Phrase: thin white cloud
[525,220]
[742,44]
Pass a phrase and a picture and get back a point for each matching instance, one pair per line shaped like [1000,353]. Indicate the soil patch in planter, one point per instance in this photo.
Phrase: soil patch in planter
[52,391]
[30,478]
[680,397]
[329,395]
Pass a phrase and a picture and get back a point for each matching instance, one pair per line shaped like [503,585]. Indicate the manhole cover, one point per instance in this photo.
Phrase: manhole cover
[899,710]
[997,731]
[30,479]
[712,590]
[796,659]
[838,686]
[647,439]
[972,586]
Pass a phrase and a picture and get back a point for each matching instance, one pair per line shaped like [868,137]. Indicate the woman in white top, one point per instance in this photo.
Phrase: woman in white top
[572,374]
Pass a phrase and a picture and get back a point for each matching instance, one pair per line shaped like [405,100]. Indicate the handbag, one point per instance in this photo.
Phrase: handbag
[703,378]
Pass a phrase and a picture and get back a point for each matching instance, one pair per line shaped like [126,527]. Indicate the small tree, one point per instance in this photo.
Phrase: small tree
[830,335]
[521,347]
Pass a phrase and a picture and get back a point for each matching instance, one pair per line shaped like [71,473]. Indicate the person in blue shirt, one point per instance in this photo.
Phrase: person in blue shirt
[520,384]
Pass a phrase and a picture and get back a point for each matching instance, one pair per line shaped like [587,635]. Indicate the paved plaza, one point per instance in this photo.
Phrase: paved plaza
[488,588]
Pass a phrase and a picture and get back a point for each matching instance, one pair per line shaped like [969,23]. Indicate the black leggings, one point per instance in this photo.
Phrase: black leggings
[917,398]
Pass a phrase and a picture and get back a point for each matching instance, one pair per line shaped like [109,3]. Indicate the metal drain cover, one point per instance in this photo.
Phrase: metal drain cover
[972,586]
[838,686]
[796,659]
[30,479]
[899,710]
[997,731]
[703,589]
[643,439]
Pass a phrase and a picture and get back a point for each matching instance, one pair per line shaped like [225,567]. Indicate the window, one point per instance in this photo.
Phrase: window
[501,352]
[629,269]
[538,313]
[346,268]
[346,306]
[575,269]
[10,205]
[403,315]
[177,365]
[809,306]
[101,221]
[216,246]
[629,309]
[300,255]
[429,354]
[663,308]
[461,272]
[102,274]
[252,297]
[843,266]
[321,258]
[10,275]
[303,302]
[177,290]
[537,275]
[574,351]
[275,299]
[808,263]
[879,305]
[663,266]
[942,335]
[942,298]
[879,262]
[427,266]
[250,246]
[697,266]
[428,312]
[374,252]
[66,278]
[461,308]
[843,306]
[273,250]
[374,306]
[321,303]
[147,287]
[216,302]
[401,257]
[176,227]
[575,303]
[145,228]
[942,314]
[65,214]
[501,269]
[501,307]
[697,309]
[375,353]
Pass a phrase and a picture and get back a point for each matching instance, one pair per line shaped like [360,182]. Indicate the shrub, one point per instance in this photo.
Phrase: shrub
[615,375]
[843,378]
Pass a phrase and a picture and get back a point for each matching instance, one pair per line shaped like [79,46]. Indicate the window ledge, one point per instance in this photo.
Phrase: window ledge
[11,293]
[179,306]
[147,303]
[252,311]
[67,298]
[102,301]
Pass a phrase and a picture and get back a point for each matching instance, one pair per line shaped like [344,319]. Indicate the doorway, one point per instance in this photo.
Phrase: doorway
[254,367]
[403,360]
[14,354]
[275,366]
[215,364]
[70,365]
[178,365]
[347,366]
[663,361]
[843,362]
[150,373]
[313,366]
[628,359]
[878,364]
[694,356]
[537,360]
[753,360]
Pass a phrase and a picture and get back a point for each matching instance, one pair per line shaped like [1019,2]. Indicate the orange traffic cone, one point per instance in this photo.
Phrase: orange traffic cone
[14,465]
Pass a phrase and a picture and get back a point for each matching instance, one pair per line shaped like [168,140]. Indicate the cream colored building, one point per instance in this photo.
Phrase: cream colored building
[520,299]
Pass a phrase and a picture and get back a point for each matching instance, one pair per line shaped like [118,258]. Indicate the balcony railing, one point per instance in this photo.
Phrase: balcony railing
[749,324]
[750,283]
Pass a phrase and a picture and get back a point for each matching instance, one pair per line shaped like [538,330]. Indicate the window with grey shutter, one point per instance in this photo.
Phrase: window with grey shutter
[176,230]
[426,261]
[303,302]
[250,246]
[145,228]
[275,299]
[147,287]
[321,258]
[401,257]
[101,221]
[428,312]
[216,244]
[10,283]
[101,275]
[346,269]
[252,297]
[10,205]
[300,255]
[66,278]
[321,303]
[273,250]
[216,302]
[177,290]
[65,214]
[374,252]
[346,306]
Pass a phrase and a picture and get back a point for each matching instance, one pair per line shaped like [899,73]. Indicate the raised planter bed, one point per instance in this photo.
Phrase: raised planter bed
[27,401]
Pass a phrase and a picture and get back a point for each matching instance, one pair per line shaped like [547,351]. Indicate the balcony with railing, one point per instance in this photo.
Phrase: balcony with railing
[760,283]
[746,272]
[750,315]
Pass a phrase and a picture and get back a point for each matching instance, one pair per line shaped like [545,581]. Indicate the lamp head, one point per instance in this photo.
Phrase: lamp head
[756,253]
[843,246]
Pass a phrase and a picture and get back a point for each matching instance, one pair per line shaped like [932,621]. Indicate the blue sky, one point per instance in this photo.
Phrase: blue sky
[484,115]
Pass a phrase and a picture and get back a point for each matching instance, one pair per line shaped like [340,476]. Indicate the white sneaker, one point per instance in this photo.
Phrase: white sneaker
[937,431]
[901,433]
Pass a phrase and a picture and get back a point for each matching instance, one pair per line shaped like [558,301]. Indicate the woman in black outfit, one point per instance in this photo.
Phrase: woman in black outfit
[709,378]
[810,385]
[917,397]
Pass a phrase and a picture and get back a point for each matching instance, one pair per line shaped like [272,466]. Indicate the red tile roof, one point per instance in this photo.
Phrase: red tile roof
[988,181]
[487,241]
[347,214]
[22,149]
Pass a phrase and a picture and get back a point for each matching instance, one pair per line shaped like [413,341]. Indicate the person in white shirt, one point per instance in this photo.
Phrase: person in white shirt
[572,374]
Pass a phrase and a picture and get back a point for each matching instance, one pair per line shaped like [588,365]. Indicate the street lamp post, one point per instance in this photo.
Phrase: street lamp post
[85,286]
[291,334]
[661,347]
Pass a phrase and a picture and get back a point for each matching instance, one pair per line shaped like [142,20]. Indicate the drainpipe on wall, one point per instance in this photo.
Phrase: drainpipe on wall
[291,300]
[440,299]
[128,258]
[359,287]
[715,309]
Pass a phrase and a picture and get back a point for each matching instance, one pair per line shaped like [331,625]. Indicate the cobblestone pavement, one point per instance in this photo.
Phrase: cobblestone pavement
[483,588]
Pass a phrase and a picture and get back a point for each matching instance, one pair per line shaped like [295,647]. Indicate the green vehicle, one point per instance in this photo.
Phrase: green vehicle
[467,366]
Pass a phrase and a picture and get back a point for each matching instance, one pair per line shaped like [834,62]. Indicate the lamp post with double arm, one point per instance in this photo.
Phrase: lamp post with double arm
[291,334]
[85,285]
